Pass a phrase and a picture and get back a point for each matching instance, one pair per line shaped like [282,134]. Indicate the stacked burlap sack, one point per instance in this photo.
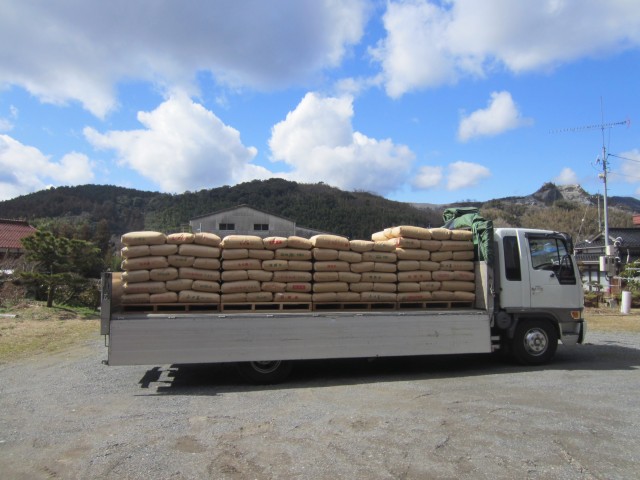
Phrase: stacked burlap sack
[180,267]
[432,263]
[399,264]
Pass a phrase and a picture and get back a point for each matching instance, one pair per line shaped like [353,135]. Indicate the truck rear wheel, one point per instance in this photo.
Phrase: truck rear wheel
[265,373]
[534,342]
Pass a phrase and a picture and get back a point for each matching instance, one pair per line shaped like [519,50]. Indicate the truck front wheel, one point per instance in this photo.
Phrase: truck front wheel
[534,342]
[265,373]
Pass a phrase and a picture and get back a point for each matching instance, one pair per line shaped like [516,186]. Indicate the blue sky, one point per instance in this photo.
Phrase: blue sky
[418,101]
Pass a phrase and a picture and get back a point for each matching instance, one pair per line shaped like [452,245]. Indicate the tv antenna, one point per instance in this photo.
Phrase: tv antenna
[605,166]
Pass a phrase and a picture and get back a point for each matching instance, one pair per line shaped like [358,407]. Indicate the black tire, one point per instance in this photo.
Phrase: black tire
[265,373]
[534,342]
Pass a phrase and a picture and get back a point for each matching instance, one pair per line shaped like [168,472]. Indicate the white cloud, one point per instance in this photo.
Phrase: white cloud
[500,115]
[465,175]
[71,50]
[318,142]
[25,169]
[566,177]
[428,177]
[183,146]
[429,44]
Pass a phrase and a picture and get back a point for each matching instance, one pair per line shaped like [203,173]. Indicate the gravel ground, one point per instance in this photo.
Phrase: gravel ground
[465,417]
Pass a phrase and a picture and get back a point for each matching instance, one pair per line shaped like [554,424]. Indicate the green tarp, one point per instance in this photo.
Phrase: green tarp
[482,229]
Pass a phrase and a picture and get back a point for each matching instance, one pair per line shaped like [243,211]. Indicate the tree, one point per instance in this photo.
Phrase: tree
[59,261]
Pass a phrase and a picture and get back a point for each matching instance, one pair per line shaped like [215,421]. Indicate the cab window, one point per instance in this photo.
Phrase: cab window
[551,254]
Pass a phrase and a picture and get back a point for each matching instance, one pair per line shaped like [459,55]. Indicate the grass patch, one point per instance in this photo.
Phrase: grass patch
[29,329]
[611,320]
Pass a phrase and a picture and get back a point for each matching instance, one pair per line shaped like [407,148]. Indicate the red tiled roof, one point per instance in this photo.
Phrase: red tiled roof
[12,231]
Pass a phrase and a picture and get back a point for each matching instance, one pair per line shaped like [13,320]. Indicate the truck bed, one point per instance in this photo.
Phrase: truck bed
[160,338]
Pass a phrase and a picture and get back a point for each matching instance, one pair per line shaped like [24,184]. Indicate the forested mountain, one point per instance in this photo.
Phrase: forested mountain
[96,212]
[316,206]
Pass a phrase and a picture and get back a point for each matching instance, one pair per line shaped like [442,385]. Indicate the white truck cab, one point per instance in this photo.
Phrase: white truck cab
[537,284]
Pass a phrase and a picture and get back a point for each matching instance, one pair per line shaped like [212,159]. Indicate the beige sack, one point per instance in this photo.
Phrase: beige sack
[244,264]
[303,287]
[385,267]
[273,286]
[330,241]
[441,256]
[404,242]
[415,276]
[179,238]
[440,233]
[192,296]
[379,237]
[464,296]
[163,250]
[301,265]
[272,243]
[326,276]
[134,276]
[234,297]
[260,275]
[207,263]
[442,276]
[180,261]
[379,277]
[411,232]
[163,274]
[292,254]
[442,295]
[143,238]
[408,265]
[385,287]
[379,257]
[299,242]
[199,274]
[408,287]
[242,241]
[234,253]
[431,245]
[243,286]
[144,263]
[361,287]
[292,276]
[262,254]
[206,238]
[461,235]
[414,296]
[464,276]
[455,246]
[144,287]
[194,250]
[330,287]
[166,297]
[275,265]
[259,297]
[362,267]
[457,265]
[135,251]
[378,297]
[429,286]
[292,297]
[134,298]
[412,254]
[325,297]
[325,254]
[466,255]
[351,257]
[334,266]
[361,245]
[233,276]
[385,246]
[430,266]
[349,277]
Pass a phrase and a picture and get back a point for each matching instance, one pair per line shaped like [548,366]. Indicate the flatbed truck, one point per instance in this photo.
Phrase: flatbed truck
[527,300]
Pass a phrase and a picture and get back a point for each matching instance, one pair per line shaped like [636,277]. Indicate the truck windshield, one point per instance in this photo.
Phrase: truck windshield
[552,254]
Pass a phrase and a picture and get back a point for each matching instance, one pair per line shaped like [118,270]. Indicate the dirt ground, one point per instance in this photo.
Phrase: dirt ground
[66,415]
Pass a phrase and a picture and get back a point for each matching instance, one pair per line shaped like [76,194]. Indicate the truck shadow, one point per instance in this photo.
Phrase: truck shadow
[222,378]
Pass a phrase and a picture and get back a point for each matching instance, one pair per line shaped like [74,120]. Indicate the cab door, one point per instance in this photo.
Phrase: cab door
[553,276]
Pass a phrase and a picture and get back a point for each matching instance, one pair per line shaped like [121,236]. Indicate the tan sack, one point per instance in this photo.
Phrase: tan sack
[292,254]
[457,265]
[291,276]
[143,238]
[455,245]
[144,263]
[299,242]
[166,297]
[164,249]
[199,250]
[333,266]
[207,238]
[414,296]
[163,274]
[133,276]
[207,263]
[378,297]
[243,286]
[178,238]
[302,265]
[330,241]
[465,255]
[199,274]
[361,245]
[192,296]
[379,277]
[259,297]
[144,287]
[242,241]
[411,232]
[461,234]
[455,285]
[135,251]
[292,297]
[234,253]
[440,233]
[412,254]
[415,276]
[379,257]
[273,243]
[181,261]
[179,284]
[244,264]
[134,298]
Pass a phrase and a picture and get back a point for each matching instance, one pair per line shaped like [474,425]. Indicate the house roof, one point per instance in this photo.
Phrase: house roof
[630,238]
[238,207]
[12,232]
